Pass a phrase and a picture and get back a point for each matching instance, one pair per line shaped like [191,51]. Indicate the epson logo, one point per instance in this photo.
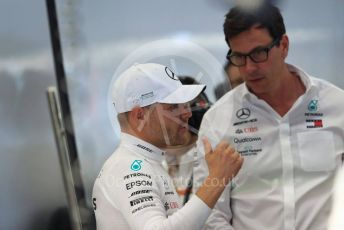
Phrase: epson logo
[138,184]
[248,139]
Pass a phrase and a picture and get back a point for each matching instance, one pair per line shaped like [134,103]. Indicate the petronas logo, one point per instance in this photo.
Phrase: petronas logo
[313,106]
[136,165]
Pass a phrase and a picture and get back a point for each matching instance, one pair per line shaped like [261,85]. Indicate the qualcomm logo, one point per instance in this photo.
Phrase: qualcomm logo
[243,113]
[247,139]
[313,105]
[136,165]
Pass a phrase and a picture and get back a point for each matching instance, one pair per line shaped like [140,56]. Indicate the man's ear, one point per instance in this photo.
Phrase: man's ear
[284,43]
[138,113]
[137,118]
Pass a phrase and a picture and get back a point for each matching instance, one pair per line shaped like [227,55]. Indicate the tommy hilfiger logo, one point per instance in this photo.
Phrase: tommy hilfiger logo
[311,123]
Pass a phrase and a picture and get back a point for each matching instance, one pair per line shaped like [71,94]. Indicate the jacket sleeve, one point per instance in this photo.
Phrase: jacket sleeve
[221,216]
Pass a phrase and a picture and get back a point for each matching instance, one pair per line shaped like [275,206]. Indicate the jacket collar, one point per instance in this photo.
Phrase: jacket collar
[142,147]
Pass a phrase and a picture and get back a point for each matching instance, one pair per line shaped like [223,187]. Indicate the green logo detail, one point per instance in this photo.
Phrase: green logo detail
[313,105]
[136,165]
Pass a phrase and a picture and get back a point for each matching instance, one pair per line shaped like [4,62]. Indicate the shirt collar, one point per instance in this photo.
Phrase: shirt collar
[142,147]
[306,80]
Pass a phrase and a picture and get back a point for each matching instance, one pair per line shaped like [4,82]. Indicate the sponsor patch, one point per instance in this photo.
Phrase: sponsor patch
[312,123]
[138,183]
[136,175]
[136,165]
[141,200]
[165,181]
[314,114]
[174,205]
[167,206]
[246,130]
[169,193]
[170,74]
[247,139]
[143,207]
[144,148]
[140,192]
[313,106]
[147,95]
[245,122]
[243,113]
[249,151]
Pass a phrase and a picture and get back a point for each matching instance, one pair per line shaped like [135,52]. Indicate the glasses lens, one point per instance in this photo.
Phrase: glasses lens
[237,60]
[259,55]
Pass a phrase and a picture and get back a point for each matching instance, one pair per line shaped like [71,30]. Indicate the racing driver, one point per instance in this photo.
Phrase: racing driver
[133,190]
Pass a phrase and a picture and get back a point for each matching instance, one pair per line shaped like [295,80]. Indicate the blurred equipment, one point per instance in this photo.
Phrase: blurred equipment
[80,215]
[63,154]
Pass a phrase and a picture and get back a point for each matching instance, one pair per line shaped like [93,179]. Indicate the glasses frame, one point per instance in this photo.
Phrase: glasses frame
[266,49]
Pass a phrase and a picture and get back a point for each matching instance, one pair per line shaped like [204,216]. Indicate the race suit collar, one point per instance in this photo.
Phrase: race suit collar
[142,147]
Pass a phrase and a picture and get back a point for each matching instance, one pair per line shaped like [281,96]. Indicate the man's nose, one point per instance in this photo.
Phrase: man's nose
[185,111]
[250,66]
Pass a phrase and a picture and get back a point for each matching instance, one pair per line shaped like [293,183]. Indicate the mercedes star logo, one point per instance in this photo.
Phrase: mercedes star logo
[243,113]
[170,74]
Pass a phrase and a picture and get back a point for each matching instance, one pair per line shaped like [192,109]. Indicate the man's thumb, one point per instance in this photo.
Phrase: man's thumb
[207,146]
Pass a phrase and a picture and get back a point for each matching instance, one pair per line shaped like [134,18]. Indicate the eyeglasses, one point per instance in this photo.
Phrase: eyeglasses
[257,55]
